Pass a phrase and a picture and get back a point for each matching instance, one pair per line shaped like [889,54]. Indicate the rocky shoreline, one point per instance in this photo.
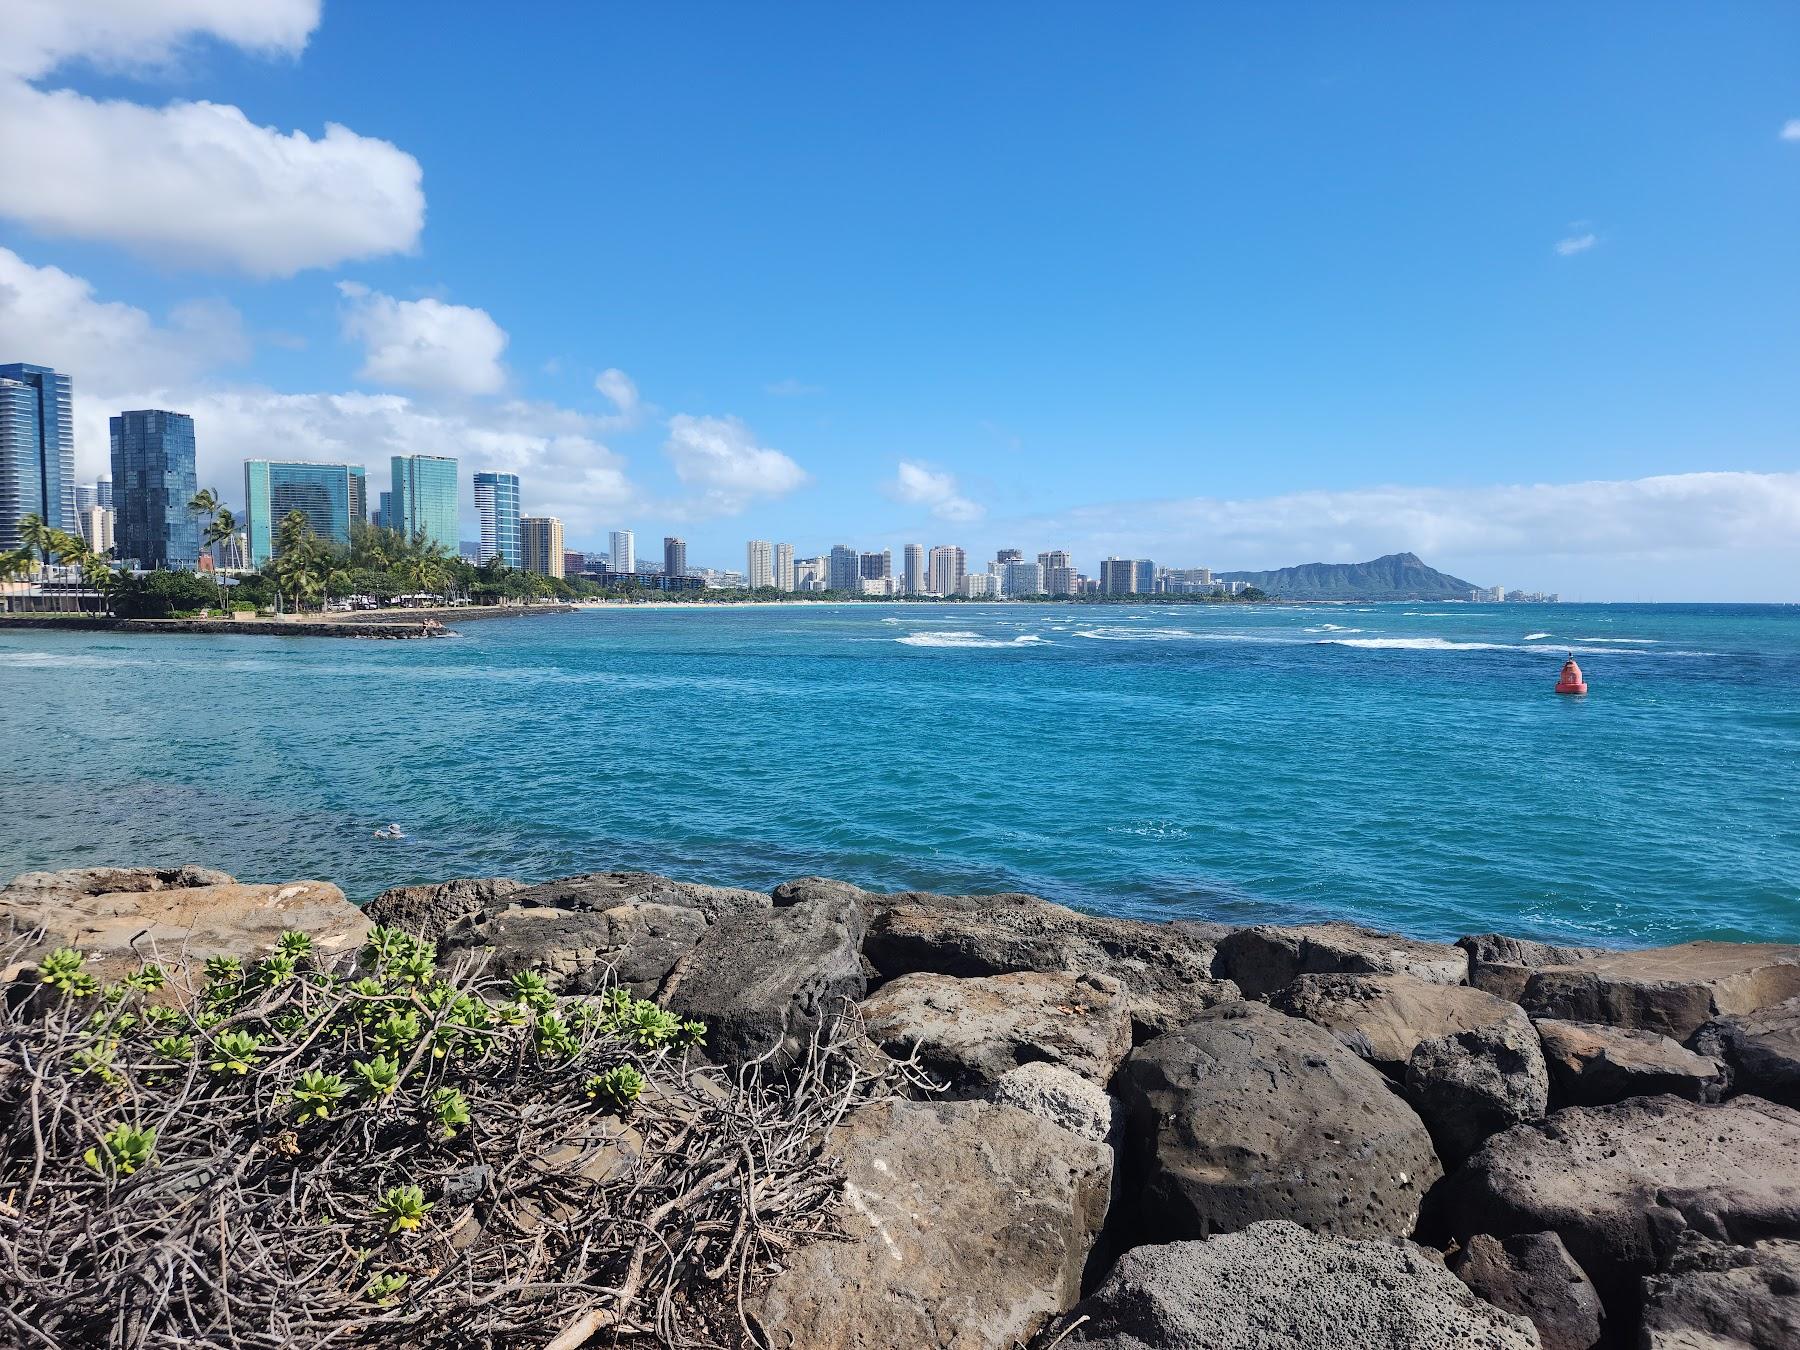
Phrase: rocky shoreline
[1147,1136]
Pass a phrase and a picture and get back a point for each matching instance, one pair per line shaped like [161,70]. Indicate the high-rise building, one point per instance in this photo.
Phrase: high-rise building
[541,545]
[1008,555]
[1055,557]
[97,528]
[1021,578]
[875,566]
[1144,576]
[1188,580]
[1118,576]
[811,574]
[913,577]
[153,481]
[425,499]
[784,567]
[497,507]
[103,490]
[759,564]
[1061,581]
[843,570]
[674,556]
[384,512]
[978,585]
[947,566]
[37,450]
[623,557]
[86,495]
[332,497]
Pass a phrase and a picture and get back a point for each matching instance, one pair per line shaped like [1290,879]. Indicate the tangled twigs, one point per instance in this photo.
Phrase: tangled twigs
[280,1154]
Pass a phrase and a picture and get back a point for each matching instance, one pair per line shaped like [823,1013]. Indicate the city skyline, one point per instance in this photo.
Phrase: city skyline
[1207,317]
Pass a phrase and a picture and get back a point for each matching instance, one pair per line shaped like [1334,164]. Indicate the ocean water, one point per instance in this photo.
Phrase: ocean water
[1400,765]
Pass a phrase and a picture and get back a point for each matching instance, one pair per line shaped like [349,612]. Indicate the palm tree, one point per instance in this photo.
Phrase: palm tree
[219,530]
[37,537]
[72,551]
[299,562]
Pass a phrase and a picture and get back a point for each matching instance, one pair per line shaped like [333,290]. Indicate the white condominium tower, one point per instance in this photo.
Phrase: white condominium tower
[784,567]
[948,565]
[624,551]
[913,573]
[759,565]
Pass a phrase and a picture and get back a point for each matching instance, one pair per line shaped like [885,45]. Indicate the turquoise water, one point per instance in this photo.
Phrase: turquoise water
[1403,765]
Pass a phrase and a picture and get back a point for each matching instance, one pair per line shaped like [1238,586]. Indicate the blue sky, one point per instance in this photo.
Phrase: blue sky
[1512,286]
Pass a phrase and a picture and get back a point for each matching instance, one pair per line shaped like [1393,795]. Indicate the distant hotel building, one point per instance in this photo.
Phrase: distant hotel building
[153,476]
[97,528]
[759,565]
[876,566]
[425,499]
[674,556]
[913,573]
[497,507]
[948,564]
[784,567]
[1021,578]
[37,450]
[843,569]
[332,497]
[623,557]
[1118,576]
[541,538]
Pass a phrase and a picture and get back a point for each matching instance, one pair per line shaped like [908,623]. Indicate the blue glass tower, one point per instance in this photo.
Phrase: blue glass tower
[497,504]
[153,482]
[37,450]
[332,497]
[425,498]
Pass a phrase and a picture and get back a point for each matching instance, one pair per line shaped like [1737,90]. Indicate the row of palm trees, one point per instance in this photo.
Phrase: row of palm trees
[40,542]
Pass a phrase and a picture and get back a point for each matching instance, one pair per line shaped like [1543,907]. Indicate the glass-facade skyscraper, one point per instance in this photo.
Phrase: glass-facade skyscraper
[37,450]
[153,482]
[497,504]
[332,497]
[424,500]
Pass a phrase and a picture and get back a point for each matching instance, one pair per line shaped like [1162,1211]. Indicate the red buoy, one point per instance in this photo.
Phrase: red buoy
[1571,682]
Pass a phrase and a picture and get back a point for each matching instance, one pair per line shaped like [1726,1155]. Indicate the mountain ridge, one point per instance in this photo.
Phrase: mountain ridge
[1393,576]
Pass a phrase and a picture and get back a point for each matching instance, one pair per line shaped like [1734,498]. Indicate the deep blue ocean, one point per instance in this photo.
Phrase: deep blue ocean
[1401,765]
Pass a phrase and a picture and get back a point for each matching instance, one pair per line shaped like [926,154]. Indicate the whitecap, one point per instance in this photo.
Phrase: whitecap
[1635,642]
[967,639]
[1533,637]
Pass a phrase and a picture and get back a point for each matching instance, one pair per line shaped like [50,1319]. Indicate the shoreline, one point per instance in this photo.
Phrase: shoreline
[370,625]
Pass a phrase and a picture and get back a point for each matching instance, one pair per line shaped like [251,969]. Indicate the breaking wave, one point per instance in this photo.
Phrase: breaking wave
[963,639]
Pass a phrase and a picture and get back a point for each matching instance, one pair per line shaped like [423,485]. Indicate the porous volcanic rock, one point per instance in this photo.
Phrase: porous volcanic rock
[1384,1017]
[598,891]
[1620,1184]
[1501,965]
[1276,1286]
[968,1032]
[766,980]
[1166,968]
[1533,1275]
[179,914]
[1719,1297]
[431,910]
[1060,1096]
[1247,1114]
[1263,959]
[968,1226]
[1673,990]
[1596,1065]
[1474,1083]
[1762,1050]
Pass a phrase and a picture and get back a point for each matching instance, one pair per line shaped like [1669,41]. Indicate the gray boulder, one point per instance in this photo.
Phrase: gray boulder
[1719,1297]
[430,911]
[1533,1275]
[967,1226]
[1276,1286]
[1620,1184]
[1762,1050]
[766,980]
[1246,1114]
[596,892]
[1595,1065]
[1060,1096]
[1385,1017]
[1475,1083]
[1166,968]
[1263,959]
[1502,965]
[970,1032]
[1672,990]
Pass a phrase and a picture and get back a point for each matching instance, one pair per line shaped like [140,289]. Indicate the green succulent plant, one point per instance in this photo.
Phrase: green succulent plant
[380,1075]
[237,1052]
[62,971]
[122,1149]
[385,1287]
[317,1092]
[294,943]
[617,1089]
[401,1208]
[450,1111]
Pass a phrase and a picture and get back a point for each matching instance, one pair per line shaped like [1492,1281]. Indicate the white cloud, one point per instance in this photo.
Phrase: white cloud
[792,388]
[51,317]
[919,485]
[1576,243]
[1790,130]
[424,344]
[718,458]
[193,183]
[622,391]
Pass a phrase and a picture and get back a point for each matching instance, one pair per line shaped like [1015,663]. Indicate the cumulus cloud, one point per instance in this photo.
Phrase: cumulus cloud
[1790,130]
[919,485]
[424,344]
[1570,245]
[719,460]
[622,392]
[204,186]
